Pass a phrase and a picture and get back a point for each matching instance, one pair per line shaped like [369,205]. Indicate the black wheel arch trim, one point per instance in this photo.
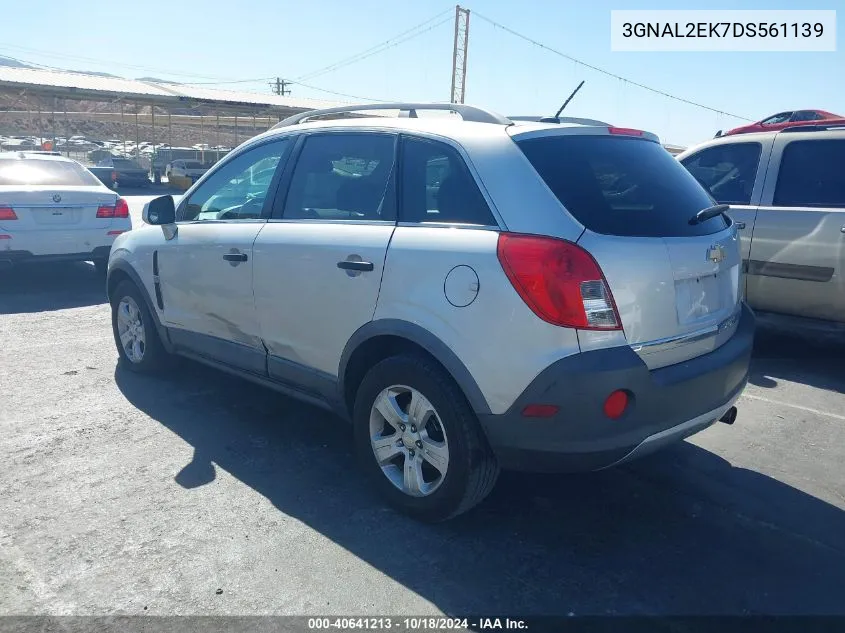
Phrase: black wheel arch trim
[429,342]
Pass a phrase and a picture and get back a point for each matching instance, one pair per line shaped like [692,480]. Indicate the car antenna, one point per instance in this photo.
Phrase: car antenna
[566,103]
[555,118]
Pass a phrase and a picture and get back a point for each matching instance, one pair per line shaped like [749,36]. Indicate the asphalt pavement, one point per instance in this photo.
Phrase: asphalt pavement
[195,492]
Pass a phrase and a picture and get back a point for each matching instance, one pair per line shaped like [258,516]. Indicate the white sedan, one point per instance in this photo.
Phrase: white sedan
[52,208]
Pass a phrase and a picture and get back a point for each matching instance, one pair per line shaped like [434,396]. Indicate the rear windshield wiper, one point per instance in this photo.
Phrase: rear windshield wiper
[709,212]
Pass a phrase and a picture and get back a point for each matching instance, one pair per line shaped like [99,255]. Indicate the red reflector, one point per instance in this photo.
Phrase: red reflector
[626,131]
[540,410]
[616,404]
[5,237]
[105,212]
[115,232]
[559,281]
[7,213]
[121,209]
[114,176]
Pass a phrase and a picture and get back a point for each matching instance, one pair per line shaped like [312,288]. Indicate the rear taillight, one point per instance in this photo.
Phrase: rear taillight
[105,212]
[114,176]
[7,213]
[559,281]
[121,209]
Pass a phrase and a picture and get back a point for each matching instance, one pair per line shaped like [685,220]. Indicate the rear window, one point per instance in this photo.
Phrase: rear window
[193,165]
[621,186]
[28,171]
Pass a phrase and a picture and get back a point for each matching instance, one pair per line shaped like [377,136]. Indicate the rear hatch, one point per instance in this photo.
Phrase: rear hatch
[675,282]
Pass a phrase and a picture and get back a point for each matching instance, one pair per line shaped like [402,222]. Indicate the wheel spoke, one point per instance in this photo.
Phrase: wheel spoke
[126,338]
[123,314]
[386,449]
[435,453]
[413,477]
[136,349]
[387,406]
[419,409]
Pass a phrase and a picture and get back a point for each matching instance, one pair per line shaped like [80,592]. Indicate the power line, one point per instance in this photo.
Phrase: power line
[606,72]
[340,94]
[378,48]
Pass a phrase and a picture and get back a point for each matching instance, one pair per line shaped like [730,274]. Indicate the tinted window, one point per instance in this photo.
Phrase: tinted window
[237,190]
[806,115]
[727,171]
[343,177]
[783,117]
[27,171]
[621,186]
[812,174]
[437,186]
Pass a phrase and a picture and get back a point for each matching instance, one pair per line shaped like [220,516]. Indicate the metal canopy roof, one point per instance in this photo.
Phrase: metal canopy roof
[80,86]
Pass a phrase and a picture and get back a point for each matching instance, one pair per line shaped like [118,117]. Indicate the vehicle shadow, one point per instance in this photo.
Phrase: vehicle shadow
[43,287]
[797,355]
[682,532]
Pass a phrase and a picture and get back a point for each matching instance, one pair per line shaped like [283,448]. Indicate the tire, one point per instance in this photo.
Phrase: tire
[471,470]
[101,266]
[153,356]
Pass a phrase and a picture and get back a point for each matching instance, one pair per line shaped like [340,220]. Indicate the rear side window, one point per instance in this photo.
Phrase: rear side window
[438,187]
[621,186]
[727,171]
[343,176]
[812,174]
[27,171]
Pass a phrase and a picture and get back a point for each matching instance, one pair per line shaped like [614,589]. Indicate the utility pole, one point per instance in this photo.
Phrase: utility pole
[280,87]
[459,54]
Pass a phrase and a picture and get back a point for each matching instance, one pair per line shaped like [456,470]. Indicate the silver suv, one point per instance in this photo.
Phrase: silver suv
[471,294]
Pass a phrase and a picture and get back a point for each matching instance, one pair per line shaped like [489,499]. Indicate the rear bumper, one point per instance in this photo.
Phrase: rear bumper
[101,252]
[667,405]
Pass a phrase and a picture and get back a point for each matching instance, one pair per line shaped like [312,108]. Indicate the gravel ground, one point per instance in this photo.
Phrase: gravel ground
[198,493]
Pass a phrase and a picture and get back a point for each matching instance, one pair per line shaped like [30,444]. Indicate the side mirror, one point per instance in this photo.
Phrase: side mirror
[718,134]
[159,211]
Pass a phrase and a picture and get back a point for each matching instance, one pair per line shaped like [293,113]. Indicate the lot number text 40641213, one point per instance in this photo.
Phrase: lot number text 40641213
[425,623]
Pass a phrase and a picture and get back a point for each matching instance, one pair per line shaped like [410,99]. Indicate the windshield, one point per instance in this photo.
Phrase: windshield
[621,185]
[45,172]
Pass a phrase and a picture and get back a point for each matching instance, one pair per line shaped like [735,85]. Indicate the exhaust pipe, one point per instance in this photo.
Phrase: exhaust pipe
[729,417]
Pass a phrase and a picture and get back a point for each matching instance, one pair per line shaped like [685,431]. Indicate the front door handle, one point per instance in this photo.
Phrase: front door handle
[740,226]
[352,265]
[235,257]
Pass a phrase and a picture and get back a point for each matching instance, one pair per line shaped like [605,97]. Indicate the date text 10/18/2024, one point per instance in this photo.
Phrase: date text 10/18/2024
[430,623]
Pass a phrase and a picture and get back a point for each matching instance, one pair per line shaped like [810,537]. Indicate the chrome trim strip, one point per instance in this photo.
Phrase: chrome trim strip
[663,344]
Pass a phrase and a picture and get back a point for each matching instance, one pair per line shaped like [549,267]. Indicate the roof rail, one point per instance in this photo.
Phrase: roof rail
[467,112]
[560,119]
[813,127]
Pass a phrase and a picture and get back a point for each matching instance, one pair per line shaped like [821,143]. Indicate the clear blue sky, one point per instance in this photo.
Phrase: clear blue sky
[262,38]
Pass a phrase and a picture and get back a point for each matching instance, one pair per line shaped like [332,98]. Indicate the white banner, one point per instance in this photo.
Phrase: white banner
[723,30]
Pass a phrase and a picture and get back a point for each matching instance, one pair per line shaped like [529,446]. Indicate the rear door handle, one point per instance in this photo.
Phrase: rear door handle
[350,265]
[740,226]
[235,257]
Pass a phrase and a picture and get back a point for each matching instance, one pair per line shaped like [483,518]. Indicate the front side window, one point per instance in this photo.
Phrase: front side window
[806,115]
[727,171]
[812,175]
[438,187]
[238,189]
[342,176]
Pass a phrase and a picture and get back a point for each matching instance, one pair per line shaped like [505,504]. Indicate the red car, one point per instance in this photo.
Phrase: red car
[786,119]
